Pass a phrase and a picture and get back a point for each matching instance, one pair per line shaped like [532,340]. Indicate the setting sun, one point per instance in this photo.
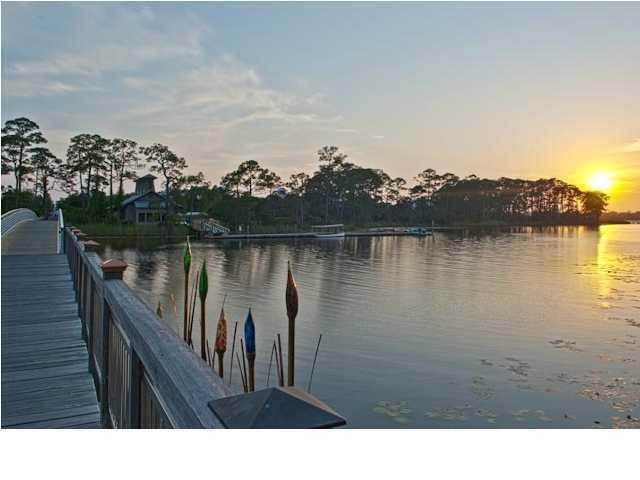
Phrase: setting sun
[600,181]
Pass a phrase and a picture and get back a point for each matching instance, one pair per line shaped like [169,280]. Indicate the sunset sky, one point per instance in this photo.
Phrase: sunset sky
[518,90]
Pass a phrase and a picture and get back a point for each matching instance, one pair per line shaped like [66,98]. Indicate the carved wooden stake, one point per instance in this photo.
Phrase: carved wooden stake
[187,267]
[250,341]
[204,288]
[220,346]
[233,347]
[291,299]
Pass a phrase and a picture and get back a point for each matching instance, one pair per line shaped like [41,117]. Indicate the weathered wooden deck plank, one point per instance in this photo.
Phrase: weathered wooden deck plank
[45,377]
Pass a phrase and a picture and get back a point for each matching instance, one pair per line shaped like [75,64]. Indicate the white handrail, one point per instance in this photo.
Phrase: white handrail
[60,231]
[14,217]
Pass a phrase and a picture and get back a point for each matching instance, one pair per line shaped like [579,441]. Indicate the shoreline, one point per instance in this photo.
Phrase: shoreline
[355,233]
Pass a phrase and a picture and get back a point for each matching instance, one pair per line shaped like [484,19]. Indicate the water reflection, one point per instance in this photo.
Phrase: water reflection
[422,332]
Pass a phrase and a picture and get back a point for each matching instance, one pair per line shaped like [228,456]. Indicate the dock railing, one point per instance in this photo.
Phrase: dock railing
[13,218]
[60,236]
[145,376]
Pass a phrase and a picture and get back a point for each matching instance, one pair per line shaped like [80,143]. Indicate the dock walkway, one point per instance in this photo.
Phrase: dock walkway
[45,364]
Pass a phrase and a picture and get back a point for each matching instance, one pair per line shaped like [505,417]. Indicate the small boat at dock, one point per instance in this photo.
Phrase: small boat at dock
[328,231]
[420,231]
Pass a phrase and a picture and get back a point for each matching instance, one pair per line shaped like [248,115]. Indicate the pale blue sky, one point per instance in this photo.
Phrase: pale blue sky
[494,89]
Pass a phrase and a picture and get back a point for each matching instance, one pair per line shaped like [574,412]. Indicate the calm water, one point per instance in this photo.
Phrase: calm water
[522,327]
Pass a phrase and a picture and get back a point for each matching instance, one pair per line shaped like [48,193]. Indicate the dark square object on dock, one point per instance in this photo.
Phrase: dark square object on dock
[278,407]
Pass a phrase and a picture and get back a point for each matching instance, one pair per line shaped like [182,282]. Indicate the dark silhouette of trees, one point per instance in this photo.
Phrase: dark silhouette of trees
[164,162]
[87,158]
[297,186]
[593,204]
[340,191]
[47,170]
[18,136]
[122,161]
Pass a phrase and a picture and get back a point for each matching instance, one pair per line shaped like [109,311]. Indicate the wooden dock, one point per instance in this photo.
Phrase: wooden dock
[81,350]
[45,364]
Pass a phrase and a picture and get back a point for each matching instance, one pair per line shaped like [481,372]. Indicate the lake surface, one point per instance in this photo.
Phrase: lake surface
[497,328]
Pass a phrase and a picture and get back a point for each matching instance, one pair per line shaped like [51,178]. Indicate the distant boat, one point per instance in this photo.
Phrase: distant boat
[420,231]
[328,231]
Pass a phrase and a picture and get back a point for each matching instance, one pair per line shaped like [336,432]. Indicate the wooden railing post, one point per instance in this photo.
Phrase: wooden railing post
[134,394]
[90,246]
[82,290]
[111,270]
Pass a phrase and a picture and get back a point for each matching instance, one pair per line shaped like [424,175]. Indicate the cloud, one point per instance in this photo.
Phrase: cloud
[40,88]
[377,137]
[163,79]
[117,39]
[631,147]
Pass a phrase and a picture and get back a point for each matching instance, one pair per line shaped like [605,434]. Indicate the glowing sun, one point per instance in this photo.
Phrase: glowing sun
[600,181]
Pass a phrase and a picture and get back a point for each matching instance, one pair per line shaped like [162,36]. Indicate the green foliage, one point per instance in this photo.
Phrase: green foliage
[18,136]
[249,197]
[168,165]
[25,199]
[77,210]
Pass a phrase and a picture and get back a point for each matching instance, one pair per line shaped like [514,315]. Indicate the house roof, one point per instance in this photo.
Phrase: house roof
[134,198]
[148,175]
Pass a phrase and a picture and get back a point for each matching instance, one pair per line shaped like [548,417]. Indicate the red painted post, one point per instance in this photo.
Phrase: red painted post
[113,269]
[91,246]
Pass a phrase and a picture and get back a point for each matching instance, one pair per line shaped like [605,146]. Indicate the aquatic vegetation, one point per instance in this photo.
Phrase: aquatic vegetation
[625,422]
[525,413]
[481,389]
[396,411]
[564,378]
[460,413]
[490,415]
[621,395]
[566,345]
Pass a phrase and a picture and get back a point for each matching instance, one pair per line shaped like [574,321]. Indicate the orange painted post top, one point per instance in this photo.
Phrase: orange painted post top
[91,246]
[113,269]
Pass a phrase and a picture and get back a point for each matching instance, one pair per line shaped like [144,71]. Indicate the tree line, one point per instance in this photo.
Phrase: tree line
[339,191]
[92,175]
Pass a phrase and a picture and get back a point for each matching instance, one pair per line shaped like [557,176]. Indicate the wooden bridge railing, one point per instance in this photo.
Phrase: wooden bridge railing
[145,376]
[14,217]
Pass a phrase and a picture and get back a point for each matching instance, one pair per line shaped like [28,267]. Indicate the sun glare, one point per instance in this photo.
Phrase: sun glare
[600,181]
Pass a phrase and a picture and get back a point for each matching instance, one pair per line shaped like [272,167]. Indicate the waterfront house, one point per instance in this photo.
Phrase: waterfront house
[145,205]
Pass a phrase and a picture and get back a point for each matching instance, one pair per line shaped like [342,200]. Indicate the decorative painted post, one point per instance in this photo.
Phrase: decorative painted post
[291,299]
[250,341]
[203,289]
[187,267]
[221,342]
